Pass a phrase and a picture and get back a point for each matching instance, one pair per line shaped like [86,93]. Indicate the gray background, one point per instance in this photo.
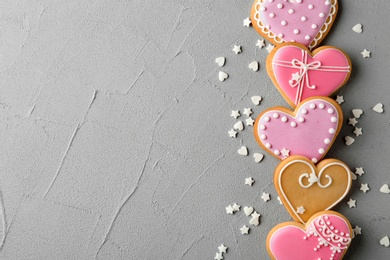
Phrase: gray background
[113,129]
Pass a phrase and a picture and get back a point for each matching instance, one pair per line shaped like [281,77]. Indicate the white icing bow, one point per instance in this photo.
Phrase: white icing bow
[303,72]
[313,178]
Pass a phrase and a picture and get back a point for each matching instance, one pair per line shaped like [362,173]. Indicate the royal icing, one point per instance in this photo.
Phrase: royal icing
[299,181]
[298,75]
[327,237]
[309,133]
[300,21]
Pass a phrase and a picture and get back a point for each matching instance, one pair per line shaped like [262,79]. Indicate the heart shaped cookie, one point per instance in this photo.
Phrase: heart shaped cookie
[327,235]
[306,189]
[308,131]
[302,21]
[299,74]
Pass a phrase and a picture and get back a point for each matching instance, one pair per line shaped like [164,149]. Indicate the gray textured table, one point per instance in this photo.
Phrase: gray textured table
[114,125]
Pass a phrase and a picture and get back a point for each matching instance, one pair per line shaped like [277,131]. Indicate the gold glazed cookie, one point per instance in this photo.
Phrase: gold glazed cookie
[305,22]
[306,189]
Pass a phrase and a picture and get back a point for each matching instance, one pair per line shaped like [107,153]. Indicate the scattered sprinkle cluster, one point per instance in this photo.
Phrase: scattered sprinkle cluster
[240,125]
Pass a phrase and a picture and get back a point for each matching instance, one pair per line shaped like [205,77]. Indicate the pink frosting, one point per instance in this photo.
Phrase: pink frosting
[327,237]
[310,133]
[325,73]
[299,21]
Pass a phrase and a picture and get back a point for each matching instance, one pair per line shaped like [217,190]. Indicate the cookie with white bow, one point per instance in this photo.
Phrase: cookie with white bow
[299,74]
[306,189]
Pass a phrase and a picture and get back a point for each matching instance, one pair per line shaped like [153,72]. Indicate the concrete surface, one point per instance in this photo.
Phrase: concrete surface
[113,129]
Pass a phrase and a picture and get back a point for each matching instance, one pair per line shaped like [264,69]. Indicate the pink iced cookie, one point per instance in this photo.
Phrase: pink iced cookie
[299,74]
[308,131]
[326,236]
[303,21]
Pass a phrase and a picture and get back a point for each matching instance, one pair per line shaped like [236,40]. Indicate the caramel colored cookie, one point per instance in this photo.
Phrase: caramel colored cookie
[306,189]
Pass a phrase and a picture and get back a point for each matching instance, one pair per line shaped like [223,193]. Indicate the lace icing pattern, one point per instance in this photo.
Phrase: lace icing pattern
[319,35]
[328,236]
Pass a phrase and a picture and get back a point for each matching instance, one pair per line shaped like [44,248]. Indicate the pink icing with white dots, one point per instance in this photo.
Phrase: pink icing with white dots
[295,20]
[327,238]
[310,133]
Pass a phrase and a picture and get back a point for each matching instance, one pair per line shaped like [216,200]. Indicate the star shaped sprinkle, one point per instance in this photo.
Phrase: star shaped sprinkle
[340,99]
[358,131]
[235,113]
[249,121]
[244,230]
[359,171]
[295,76]
[248,111]
[222,248]
[366,53]
[270,47]
[255,215]
[364,187]
[249,181]
[301,210]
[247,22]
[218,256]
[351,203]
[260,43]
[285,152]
[229,210]
[237,49]
[236,207]
[255,221]
[265,197]
[357,230]
[232,133]
[352,121]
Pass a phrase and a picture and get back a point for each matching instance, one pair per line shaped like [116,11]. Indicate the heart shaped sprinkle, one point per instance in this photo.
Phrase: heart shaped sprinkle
[243,151]
[255,221]
[358,28]
[385,241]
[254,66]
[294,21]
[385,189]
[378,108]
[357,113]
[349,140]
[222,76]
[308,131]
[239,126]
[258,157]
[248,211]
[220,61]
[256,100]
